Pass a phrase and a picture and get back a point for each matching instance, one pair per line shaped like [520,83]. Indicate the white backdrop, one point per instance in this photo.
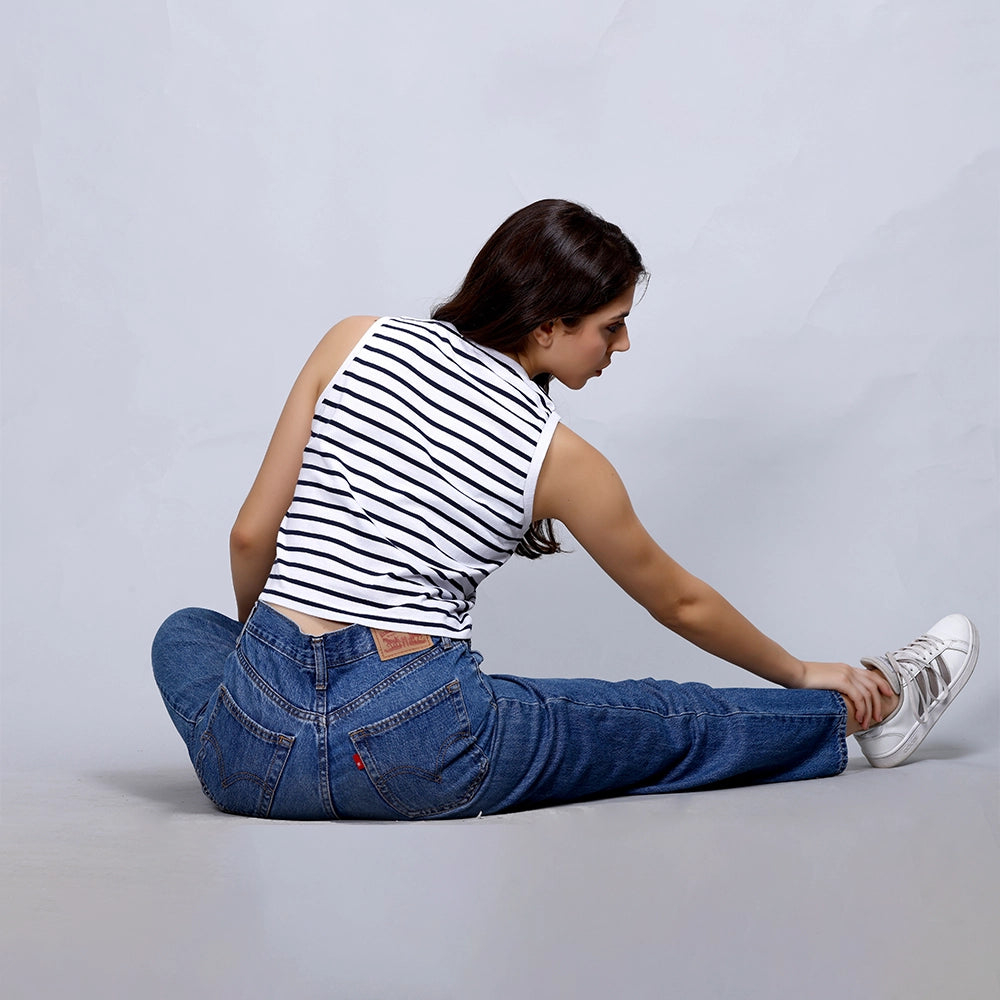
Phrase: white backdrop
[194,191]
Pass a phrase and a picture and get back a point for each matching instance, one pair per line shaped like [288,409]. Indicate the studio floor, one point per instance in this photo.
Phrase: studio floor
[121,880]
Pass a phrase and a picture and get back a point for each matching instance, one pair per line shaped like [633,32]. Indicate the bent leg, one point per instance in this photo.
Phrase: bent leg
[565,740]
[189,654]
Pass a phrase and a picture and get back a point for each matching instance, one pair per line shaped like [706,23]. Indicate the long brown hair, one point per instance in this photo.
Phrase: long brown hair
[550,260]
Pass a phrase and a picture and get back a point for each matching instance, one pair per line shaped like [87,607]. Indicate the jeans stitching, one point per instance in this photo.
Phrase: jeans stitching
[303,714]
[169,702]
[674,715]
[384,684]
[281,742]
[842,739]
[418,708]
[380,779]
[293,653]
[307,715]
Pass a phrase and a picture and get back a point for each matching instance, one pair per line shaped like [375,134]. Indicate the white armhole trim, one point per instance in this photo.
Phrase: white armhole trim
[531,481]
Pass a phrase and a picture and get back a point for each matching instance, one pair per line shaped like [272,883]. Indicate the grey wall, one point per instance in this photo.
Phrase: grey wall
[195,191]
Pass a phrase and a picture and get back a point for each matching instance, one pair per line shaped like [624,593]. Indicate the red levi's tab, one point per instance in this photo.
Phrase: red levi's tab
[358,762]
[393,644]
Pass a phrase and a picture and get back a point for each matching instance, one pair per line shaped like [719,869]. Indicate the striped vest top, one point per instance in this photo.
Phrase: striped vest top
[417,481]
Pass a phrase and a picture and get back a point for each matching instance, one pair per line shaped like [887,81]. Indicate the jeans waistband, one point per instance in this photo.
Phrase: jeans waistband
[354,642]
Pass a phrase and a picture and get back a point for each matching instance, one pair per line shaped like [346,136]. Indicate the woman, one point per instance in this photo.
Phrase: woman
[413,457]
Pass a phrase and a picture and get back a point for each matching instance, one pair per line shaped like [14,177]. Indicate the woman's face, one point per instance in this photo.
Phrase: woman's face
[576,354]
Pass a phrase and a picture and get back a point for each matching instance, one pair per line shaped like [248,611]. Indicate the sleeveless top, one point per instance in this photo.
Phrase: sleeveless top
[417,481]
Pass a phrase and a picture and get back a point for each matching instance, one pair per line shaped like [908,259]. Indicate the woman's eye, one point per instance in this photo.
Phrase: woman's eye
[615,327]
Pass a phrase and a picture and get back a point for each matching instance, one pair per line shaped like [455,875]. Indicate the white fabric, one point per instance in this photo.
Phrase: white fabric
[416,483]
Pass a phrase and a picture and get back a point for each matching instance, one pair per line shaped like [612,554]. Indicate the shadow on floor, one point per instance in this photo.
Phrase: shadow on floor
[175,789]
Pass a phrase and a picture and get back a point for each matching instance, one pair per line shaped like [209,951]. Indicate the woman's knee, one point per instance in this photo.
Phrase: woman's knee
[188,633]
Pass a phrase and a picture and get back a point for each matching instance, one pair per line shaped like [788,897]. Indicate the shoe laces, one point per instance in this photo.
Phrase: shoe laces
[923,670]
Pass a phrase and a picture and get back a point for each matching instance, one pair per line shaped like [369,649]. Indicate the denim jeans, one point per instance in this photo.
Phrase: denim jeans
[291,726]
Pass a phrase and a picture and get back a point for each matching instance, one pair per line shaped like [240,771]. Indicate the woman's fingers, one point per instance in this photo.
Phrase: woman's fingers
[867,704]
[881,682]
[864,693]
[879,689]
[864,689]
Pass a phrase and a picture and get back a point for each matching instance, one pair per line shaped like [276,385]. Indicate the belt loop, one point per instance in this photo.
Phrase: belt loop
[319,660]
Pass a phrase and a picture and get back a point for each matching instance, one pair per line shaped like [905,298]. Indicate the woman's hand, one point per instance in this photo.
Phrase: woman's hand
[863,689]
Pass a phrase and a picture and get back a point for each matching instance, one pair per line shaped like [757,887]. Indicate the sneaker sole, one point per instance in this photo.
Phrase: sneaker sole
[916,735]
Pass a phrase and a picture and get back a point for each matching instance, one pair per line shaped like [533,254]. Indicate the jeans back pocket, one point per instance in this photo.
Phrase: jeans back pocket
[424,760]
[240,762]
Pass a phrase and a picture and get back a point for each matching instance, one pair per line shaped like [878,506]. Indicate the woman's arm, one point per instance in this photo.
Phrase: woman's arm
[253,537]
[579,487]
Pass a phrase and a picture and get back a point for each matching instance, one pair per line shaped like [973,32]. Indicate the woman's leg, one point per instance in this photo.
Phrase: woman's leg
[564,740]
[189,653]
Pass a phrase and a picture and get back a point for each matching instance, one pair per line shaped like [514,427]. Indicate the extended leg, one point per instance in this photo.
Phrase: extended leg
[563,740]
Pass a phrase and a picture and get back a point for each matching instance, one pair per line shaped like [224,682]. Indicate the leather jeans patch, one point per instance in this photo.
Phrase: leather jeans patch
[393,644]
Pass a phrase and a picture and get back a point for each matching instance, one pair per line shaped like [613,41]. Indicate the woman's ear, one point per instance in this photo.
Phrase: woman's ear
[543,333]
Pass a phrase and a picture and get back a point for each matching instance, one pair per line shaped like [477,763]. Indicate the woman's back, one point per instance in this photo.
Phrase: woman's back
[416,481]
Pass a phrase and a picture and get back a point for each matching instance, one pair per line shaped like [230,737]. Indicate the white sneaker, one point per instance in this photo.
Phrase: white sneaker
[926,675]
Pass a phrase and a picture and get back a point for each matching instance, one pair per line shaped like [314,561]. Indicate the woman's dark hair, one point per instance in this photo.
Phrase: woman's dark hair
[551,260]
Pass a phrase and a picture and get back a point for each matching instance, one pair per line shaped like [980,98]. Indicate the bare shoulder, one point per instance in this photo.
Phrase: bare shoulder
[335,347]
[567,450]
[573,472]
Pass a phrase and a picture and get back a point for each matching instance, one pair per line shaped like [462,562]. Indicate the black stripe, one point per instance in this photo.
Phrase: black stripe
[478,353]
[435,340]
[378,588]
[441,580]
[354,599]
[478,556]
[410,387]
[363,511]
[382,499]
[459,377]
[344,391]
[454,395]
[320,486]
[409,479]
[431,469]
[398,544]
[520,473]
[440,588]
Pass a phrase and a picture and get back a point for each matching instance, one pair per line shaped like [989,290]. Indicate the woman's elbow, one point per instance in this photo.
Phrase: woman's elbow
[681,612]
[247,537]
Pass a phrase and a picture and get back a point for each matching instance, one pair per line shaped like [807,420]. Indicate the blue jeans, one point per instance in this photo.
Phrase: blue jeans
[292,726]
